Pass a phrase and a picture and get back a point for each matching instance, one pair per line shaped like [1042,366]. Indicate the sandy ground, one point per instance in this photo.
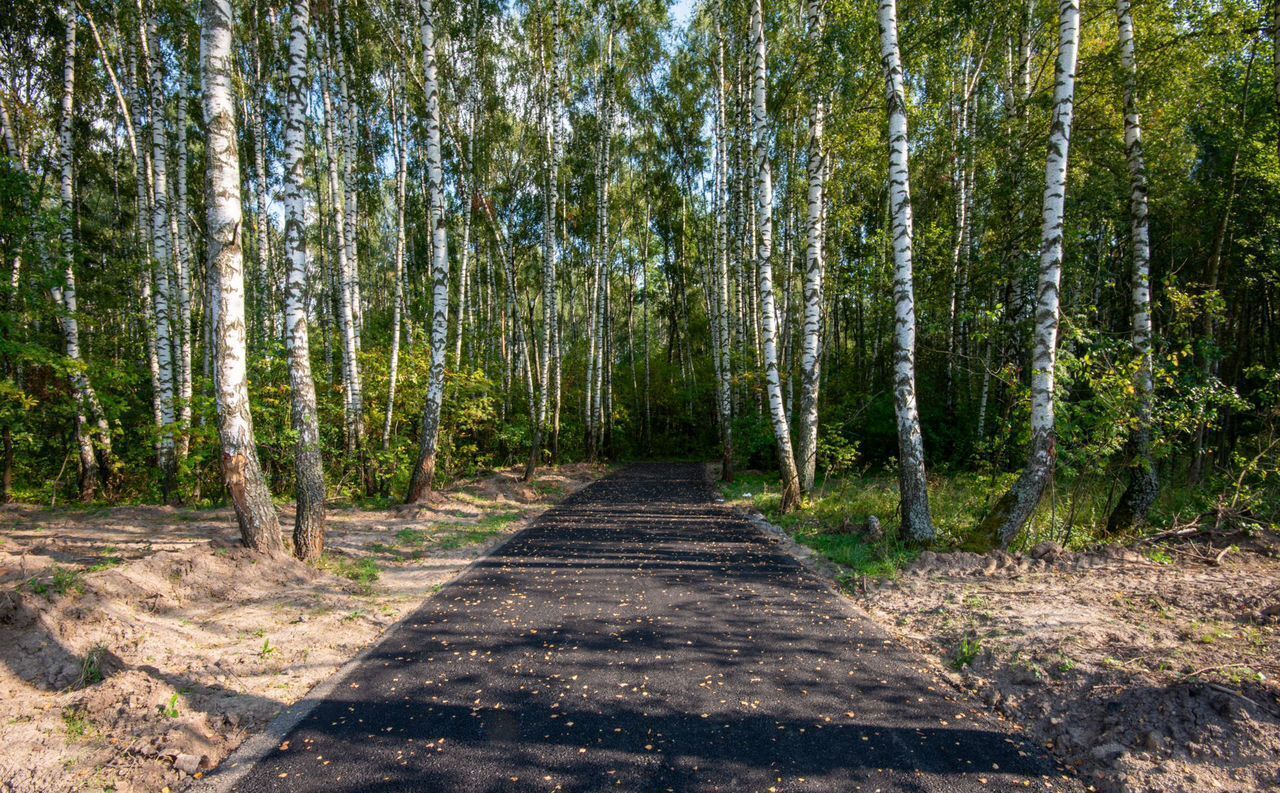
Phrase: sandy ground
[140,645]
[1142,676]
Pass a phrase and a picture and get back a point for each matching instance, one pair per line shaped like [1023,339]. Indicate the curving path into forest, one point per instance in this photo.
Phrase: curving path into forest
[640,637]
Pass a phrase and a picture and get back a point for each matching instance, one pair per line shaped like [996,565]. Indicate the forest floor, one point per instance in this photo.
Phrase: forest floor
[140,645]
[1145,668]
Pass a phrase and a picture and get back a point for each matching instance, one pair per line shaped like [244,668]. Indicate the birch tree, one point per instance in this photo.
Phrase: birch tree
[256,104]
[89,419]
[308,526]
[917,523]
[1015,508]
[424,471]
[161,246]
[353,390]
[401,151]
[259,524]
[811,346]
[1144,485]
[597,355]
[550,247]
[764,262]
[182,251]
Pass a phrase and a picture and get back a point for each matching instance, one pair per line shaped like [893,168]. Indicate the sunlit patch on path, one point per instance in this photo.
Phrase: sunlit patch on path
[640,637]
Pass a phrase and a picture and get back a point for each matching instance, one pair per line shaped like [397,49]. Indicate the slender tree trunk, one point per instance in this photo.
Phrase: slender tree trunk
[308,526]
[1015,508]
[917,523]
[960,176]
[259,524]
[811,347]
[424,472]
[764,263]
[550,249]
[162,251]
[183,248]
[598,355]
[723,339]
[399,133]
[464,254]
[350,192]
[353,388]
[262,221]
[1144,486]
[64,294]
[143,233]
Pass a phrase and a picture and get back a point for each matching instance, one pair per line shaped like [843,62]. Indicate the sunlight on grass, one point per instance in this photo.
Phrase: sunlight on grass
[1074,515]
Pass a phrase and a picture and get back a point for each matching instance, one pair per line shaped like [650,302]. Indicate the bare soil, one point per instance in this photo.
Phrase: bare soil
[140,645]
[1142,676]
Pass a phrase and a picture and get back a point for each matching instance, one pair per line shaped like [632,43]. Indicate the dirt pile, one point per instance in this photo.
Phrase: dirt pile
[1143,676]
[155,660]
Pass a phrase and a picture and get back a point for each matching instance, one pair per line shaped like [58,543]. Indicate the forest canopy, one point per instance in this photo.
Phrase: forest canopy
[263,249]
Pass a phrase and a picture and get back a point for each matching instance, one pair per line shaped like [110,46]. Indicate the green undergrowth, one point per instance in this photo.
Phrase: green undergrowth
[1073,514]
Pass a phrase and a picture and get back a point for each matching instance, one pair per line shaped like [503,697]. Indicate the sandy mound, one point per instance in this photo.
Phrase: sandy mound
[1143,676]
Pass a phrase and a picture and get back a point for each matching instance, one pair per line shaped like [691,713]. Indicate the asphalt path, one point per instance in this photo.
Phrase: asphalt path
[642,637]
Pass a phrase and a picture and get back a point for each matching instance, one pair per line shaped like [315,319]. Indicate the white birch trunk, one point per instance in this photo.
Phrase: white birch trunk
[461,323]
[183,251]
[913,486]
[143,233]
[308,527]
[162,252]
[350,216]
[259,524]
[1144,486]
[353,391]
[64,293]
[400,140]
[424,472]
[764,263]
[815,234]
[262,223]
[959,175]
[1013,511]
[598,356]
[550,248]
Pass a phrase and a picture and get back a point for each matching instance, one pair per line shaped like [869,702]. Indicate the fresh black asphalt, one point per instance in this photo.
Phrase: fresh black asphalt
[641,637]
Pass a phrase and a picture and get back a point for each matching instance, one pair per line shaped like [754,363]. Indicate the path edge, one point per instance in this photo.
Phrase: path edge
[814,562]
[224,777]
[829,574]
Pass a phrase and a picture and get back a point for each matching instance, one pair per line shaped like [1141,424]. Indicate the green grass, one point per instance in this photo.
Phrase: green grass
[91,667]
[824,524]
[76,724]
[364,572]
[446,536]
[110,558]
[966,652]
[410,537]
[451,536]
[1072,514]
[61,581]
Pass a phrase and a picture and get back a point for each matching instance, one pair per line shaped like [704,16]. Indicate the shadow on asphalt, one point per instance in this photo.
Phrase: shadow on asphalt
[641,638]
